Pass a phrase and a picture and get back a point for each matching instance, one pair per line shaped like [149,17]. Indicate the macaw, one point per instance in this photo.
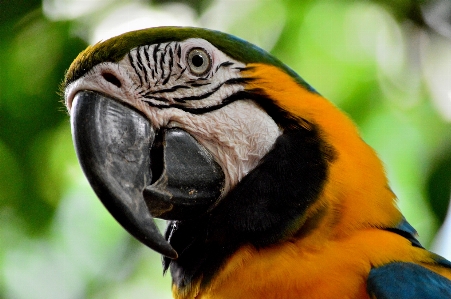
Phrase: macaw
[267,188]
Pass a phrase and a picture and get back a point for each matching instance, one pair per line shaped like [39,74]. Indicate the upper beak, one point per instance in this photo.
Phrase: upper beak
[138,173]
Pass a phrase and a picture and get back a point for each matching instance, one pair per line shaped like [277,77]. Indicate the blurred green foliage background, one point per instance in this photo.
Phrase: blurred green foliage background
[385,63]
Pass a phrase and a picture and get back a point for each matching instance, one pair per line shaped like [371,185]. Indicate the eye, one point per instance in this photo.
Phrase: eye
[199,61]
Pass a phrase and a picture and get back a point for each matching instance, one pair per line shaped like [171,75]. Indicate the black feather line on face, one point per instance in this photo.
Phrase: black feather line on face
[132,63]
[161,64]
[199,84]
[139,59]
[170,65]
[179,51]
[154,55]
[199,97]
[172,89]
[147,57]
[181,73]
[264,208]
[224,64]
[146,61]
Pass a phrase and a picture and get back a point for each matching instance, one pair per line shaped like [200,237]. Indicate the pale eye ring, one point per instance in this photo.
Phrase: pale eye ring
[199,62]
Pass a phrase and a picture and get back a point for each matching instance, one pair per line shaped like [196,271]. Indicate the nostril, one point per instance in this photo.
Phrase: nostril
[112,79]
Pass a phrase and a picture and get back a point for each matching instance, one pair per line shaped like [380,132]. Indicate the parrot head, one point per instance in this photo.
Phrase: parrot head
[221,139]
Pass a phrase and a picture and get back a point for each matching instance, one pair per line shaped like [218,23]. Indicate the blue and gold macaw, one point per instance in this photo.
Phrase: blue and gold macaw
[268,189]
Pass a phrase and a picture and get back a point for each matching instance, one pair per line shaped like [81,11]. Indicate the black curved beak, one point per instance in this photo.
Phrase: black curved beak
[139,174]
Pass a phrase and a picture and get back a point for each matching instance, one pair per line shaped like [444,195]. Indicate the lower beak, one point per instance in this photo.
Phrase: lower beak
[122,155]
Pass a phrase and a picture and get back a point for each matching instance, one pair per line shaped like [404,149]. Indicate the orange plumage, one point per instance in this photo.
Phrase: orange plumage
[339,239]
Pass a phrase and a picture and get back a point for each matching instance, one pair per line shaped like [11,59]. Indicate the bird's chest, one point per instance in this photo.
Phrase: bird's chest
[284,273]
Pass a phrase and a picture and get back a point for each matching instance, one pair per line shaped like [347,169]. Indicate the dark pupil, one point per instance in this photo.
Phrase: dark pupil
[197,60]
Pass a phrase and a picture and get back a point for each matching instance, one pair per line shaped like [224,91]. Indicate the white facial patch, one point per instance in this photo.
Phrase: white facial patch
[238,135]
